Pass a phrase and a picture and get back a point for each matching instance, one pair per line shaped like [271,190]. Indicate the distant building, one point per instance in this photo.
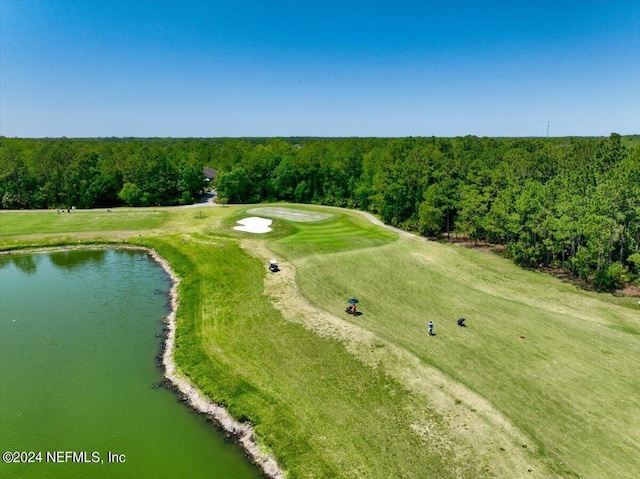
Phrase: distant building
[210,173]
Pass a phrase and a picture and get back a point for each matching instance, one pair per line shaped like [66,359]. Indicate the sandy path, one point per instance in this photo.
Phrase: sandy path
[471,422]
[469,418]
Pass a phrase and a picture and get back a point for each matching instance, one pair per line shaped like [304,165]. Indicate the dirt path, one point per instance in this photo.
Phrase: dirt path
[471,422]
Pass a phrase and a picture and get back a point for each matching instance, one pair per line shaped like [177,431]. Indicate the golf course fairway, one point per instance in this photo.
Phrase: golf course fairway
[542,382]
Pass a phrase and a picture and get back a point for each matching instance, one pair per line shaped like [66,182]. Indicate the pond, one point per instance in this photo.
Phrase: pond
[80,335]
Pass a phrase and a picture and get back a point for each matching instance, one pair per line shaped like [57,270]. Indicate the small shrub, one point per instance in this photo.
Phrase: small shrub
[613,277]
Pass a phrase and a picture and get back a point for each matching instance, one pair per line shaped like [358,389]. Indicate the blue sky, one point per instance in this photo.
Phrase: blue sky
[88,68]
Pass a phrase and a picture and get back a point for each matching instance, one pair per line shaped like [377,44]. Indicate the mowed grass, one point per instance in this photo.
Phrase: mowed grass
[570,384]
[47,222]
[320,410]
[20,229]
[559,362]
[346,232]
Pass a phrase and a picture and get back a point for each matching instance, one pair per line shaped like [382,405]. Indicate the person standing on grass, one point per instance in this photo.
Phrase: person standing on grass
[430,328]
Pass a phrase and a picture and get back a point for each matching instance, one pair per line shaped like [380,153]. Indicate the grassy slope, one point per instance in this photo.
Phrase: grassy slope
[318,408]
[569,384]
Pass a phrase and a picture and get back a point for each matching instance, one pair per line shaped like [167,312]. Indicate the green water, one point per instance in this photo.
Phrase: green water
[78,361]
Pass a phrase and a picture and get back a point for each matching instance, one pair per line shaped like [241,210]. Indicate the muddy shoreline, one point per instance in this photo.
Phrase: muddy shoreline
[174,380]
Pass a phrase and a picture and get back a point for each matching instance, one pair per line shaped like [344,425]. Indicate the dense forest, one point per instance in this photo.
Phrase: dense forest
[571,203]
[96,173]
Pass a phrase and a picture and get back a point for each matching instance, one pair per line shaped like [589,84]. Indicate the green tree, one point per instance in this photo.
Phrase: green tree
[234,185]
[472,210]
[131,194]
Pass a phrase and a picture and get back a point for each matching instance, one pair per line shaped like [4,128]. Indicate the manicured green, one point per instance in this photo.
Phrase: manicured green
[343,232]
[568,385]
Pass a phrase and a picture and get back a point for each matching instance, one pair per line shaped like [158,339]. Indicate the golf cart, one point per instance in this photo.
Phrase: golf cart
[273,266]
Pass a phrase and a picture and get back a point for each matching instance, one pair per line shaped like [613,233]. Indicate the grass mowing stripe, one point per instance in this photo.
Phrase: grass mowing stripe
[345,232]
[304,394]
[49,222]
[569,383]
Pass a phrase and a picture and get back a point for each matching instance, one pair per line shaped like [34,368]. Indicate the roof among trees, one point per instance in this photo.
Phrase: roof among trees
[210,172]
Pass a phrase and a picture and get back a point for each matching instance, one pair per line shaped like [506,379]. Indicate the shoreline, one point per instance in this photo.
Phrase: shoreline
[187,391]
[242,431]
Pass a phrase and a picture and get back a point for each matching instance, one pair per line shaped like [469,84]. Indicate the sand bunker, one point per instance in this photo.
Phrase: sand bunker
[254,224]
[291,214]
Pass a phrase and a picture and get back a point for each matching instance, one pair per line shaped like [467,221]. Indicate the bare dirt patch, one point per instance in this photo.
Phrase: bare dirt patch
[469,243]
[631,290]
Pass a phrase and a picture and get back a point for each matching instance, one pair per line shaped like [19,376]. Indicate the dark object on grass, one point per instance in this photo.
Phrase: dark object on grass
[352,309]
[461,322]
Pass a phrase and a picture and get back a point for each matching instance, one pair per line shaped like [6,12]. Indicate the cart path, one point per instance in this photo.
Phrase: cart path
[376,221]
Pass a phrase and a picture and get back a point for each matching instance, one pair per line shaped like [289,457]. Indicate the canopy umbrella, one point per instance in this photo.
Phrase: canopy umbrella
[353,301]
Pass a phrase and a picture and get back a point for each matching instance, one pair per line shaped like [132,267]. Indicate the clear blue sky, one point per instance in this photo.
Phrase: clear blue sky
[86,68]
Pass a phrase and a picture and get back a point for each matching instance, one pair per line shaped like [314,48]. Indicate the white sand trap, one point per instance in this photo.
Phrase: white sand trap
[253,224]
[291,214]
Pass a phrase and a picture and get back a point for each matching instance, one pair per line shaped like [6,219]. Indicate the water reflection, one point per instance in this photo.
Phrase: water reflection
[25,263]
[65,260]
[78,355]
[71,259]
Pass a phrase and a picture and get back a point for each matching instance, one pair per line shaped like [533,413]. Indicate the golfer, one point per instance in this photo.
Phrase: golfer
[430,328]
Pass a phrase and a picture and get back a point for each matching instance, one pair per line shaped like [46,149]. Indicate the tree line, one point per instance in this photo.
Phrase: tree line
[56,173]
[571,203]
